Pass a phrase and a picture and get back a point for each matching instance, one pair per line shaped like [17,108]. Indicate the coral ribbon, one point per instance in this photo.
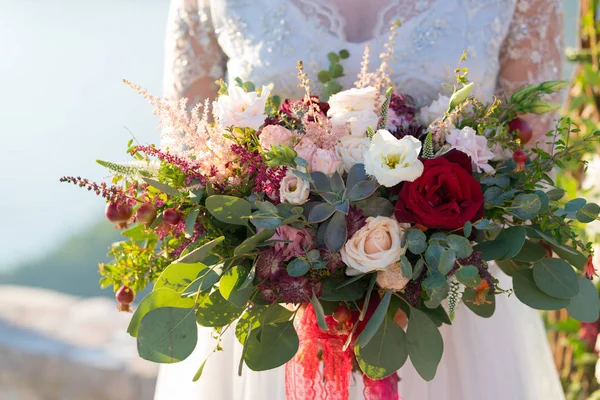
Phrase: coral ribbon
[322,369]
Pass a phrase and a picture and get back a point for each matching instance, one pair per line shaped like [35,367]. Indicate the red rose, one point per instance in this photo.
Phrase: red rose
[445,196]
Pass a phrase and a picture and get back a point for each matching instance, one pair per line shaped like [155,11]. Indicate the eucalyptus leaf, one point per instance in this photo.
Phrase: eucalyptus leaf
[447,260]
[416,240]
[230,286]
[468,275]
[528,293]
[486,308]
[588,213]
[158,298]
[585,306]
[530,252]
[526,206]
[298,267]
[216,311]
[575,205]
[261,219]
[167,335]
[199,254]
[320,314]
[178,276]
[376,320]
[406,267]
[250,244]
[555,194]
[162,187]
[229,209]
[461,245]
[190,221]
[555,277]
[271,346]
[433,254]
[425,344]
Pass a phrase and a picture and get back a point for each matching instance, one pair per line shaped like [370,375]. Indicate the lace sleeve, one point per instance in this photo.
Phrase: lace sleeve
[532,53]
[193,58]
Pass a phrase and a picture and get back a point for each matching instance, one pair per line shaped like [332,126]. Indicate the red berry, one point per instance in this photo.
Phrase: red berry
[146,214]
[342,314]
[171,216]
[522,127]
[520,159]
[125,297]
[118,213]
[547,247]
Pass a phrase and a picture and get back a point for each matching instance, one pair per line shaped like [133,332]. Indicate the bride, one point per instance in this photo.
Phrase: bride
[510,43]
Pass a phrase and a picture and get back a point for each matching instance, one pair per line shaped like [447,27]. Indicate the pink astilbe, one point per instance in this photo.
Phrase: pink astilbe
[322,134]
[189,168]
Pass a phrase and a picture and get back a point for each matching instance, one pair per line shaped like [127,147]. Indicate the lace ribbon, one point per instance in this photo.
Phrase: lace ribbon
[322,369]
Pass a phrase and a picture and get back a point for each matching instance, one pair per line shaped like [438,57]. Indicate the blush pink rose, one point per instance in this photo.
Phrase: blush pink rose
[301,241]
[325,161]
[305,149]
[275,135]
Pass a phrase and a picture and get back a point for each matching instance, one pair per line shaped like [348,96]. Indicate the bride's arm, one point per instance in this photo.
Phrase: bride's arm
[193,58]
[532,52]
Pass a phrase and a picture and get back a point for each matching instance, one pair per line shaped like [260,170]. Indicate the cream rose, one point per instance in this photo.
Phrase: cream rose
[435,111]
[242,109]
[374,247]
[293,190]
[351,150]
[473,145]
[356,121]
[275,135]
[392,161]
[355,108]
[325,161]
[392,277]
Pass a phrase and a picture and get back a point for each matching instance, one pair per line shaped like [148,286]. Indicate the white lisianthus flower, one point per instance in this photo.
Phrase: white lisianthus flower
[355,108]
[392,161]
[293,189]
[473,145]
[351,150]
[374,247]
[435,111]
[242,109]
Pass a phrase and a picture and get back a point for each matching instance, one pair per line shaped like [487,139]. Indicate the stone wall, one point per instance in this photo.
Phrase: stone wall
[59,347]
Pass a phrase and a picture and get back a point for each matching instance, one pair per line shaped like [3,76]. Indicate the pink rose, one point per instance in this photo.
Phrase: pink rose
[275,135]
[325,161]
[306,149]
[301,241]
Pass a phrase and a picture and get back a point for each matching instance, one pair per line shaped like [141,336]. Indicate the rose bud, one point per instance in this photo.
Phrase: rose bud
[146,214]
[520,159]
[125,297]
[522,127]
[171,216]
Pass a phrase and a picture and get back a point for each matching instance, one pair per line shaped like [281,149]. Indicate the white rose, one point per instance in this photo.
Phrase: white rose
[357,121]
[293,190]
[374,247]
[351,150]
[392,161]
[473,145]
[435,111]
[354,100]
[242,109]
[325,161]
[392,277]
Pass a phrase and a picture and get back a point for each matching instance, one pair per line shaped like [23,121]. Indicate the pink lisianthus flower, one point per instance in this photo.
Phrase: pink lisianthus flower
[299,241]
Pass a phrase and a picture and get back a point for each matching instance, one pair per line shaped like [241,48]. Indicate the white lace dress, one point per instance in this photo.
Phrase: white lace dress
[509,43]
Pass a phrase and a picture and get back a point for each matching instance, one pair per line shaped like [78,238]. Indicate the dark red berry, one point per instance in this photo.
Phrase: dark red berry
[118,213]
[146,214]
[520,159]
[522,127]
[171,216]
[342,314]
[125,297]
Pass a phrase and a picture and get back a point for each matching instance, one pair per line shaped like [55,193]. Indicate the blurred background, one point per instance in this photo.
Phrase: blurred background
[63,105]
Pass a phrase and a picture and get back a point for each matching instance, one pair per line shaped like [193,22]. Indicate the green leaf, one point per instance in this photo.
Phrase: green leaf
[167,335]
[337,71]
[336,233]
[468,276]
[588,213]
[438,315]
[416,240]
[514,238]
[198,374]
[526,206]
[199,254]
[385,353]
[555,194]
[258,315]
[376,320]
[484,310]
[320,314]
[528,293]
[425,344]
[230,286]
[406,267]
[190,220]
[467,228]
[178,276]
[461,245]
[161,297]
[215,311]
[139,232]
[333,58]
[460,95]
[575,205]
[433,254]
[530,252]
[250,244]
[344,54]
[265,220]
[375,206]
[492,249]
[539,106]
[162,187]
[447,260]
[585,306]
[335,289]
[229,209]
[271,346]
[355,175]
[555,277]
[298,267]
[511,265]
[324,76]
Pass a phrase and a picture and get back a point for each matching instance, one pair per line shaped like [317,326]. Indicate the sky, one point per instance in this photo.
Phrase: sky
[63,105]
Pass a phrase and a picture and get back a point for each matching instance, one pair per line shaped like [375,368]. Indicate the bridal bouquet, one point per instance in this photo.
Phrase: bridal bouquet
[341,234]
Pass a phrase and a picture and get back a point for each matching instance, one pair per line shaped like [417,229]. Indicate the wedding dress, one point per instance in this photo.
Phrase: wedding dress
[509,43]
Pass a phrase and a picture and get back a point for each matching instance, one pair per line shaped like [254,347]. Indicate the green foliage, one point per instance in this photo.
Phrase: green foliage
[336,70]
[424,342]
[270,346]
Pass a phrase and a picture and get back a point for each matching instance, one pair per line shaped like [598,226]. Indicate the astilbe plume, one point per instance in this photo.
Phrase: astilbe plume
[188,167]
[266,180]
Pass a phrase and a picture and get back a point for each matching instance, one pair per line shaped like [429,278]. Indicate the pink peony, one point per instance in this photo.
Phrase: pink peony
[325,161]
[275,135]
[306,149]
[299,241]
